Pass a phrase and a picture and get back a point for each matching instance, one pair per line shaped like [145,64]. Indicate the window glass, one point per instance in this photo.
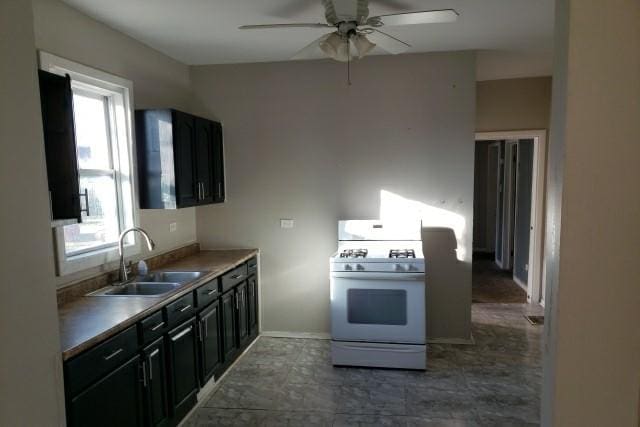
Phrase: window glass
[91,115]
[377,306]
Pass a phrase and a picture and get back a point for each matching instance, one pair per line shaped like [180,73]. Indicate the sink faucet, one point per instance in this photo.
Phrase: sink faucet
[123,275]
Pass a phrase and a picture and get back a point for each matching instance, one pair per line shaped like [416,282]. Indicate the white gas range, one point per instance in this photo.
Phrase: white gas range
[378,296]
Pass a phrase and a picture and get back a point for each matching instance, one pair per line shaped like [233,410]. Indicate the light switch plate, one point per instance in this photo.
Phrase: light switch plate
[286,223]
[172,227]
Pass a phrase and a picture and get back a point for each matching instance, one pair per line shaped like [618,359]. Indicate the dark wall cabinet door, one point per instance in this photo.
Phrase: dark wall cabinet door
[185,151]
[218,163]
[210,342]
[229,324]
[252,300]
[115,400]
[181,168]
[56,100]
[183,368]
[242,307]
[157,386]
[204,160]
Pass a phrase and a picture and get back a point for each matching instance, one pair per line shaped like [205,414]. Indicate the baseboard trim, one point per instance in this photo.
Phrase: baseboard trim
[520,283]
[464,341]
[306,335]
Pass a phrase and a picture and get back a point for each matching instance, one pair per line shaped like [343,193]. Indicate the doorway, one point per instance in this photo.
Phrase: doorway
[507,222]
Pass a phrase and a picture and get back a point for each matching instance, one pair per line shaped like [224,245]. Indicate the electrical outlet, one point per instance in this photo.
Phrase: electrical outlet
[286,223]
[172,227]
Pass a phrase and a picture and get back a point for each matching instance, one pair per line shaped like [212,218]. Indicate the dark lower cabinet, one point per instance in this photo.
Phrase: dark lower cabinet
[229,326]
[115,400]
[157,387]
[252,300]
[183,368]
[243,314]
[209,322]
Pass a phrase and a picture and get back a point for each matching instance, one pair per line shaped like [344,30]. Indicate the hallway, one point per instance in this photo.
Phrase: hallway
[492,285]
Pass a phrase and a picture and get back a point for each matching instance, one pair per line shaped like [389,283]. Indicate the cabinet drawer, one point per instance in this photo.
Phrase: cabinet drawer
[252,266]
[91,365]
[152,327]
[206,293]
[181,309]
[235,276]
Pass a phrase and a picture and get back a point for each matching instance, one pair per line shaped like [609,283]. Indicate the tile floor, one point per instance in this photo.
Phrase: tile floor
[291,382]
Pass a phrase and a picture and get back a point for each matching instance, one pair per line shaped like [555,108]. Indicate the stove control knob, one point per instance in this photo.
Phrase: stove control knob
[348,267]
[397,267]
[360,267]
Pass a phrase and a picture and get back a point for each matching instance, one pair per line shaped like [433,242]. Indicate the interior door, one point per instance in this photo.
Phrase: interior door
[522,227]
[507,200]
[500,205]
[204,160]
[184,152]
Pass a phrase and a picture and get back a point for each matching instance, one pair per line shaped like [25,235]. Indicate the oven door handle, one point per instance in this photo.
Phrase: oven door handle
[363,275]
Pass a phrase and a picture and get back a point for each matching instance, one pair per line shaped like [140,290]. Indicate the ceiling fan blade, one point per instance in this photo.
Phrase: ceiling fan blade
[308,51]
[388,42]
[267,26]
[413,18]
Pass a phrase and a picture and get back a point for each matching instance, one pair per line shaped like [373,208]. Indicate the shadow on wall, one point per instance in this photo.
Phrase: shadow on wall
[400,209]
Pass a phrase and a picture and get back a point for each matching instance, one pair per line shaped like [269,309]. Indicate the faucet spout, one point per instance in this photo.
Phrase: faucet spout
[123,275]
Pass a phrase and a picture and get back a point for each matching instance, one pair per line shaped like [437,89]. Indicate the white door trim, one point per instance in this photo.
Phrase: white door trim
[536,260]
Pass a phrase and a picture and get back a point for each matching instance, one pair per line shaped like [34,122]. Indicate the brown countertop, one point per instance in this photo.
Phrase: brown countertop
[86,321]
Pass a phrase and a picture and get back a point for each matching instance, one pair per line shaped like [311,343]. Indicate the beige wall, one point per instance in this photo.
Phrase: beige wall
[592,354]
[513,104]
[302,144]
[158,80]
[30,360]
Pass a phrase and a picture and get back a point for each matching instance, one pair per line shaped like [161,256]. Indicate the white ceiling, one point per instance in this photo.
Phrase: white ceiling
[199,32]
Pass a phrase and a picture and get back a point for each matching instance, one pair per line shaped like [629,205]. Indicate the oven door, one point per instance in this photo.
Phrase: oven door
[378,307]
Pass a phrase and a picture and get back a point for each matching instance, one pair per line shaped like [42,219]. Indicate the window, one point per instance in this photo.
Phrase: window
[102,116]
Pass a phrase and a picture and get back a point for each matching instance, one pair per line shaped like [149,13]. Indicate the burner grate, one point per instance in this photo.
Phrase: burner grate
[354,253]
[402,253]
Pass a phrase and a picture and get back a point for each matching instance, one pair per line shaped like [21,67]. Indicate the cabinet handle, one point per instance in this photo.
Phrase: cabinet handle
[158,326]
[114,354]
[237,307]
[220,189]
[85,194]
[237,276]
[200,333]
[144,373]
[211,291]
[185,308]
[153,353]
[181,334]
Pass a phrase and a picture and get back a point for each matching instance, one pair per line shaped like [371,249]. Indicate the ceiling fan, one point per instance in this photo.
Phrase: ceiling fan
[355,33]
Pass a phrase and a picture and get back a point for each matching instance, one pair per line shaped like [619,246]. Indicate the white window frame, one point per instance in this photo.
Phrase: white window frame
[82,75]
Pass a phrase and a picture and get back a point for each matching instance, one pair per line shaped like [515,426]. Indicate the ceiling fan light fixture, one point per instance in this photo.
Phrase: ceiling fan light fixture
[362,44]
[336,47]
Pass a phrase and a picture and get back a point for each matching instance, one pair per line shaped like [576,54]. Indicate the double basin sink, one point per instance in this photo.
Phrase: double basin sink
[151,285]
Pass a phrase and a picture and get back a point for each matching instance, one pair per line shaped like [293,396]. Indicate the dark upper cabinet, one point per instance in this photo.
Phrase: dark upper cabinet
[115,400]
[180,159]
[157,387]
[183,363]
[210,341]
[56,101]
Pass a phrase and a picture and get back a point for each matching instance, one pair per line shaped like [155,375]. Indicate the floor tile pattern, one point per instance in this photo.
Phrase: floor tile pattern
[493,285]
[291,382]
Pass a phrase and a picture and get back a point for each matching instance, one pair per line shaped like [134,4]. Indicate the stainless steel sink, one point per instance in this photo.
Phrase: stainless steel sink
[150,285]
[140,289]
[171,276]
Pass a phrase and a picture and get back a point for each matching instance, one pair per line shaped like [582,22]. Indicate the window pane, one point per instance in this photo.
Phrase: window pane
[377,306]
[92,130]
[101,226]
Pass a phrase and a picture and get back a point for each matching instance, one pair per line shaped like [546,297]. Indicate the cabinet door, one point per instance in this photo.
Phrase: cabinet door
[184,152]
[183,367]
[229,326]
[218,163]
[115,400]
[252,290]
[204,160]
[156,390]
[210,342]
[243,314]
[56,100]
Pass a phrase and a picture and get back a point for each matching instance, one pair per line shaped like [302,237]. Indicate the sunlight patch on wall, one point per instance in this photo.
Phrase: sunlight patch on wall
[396,208]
